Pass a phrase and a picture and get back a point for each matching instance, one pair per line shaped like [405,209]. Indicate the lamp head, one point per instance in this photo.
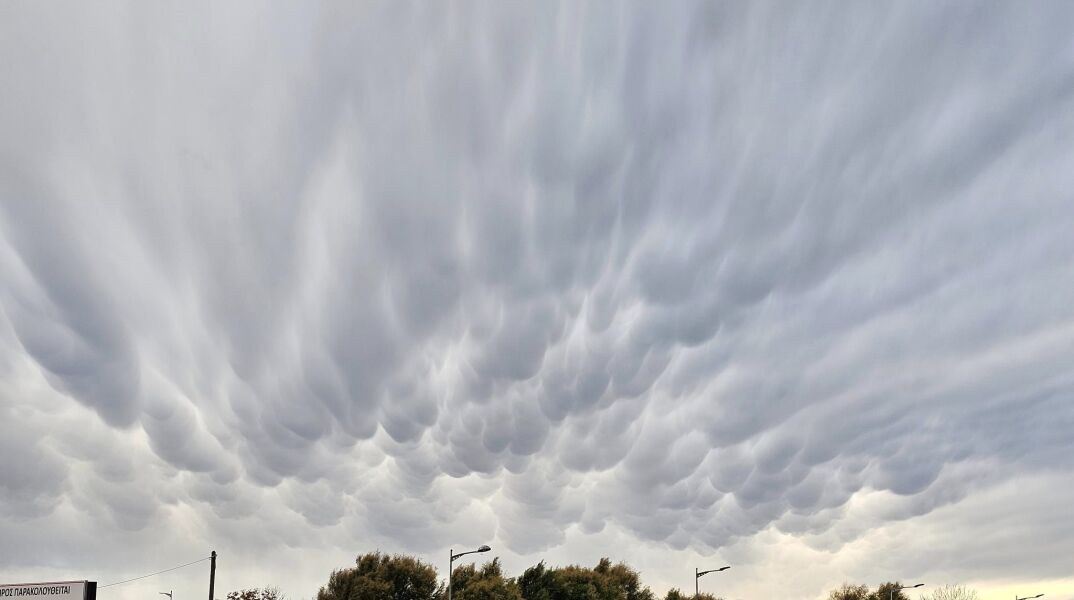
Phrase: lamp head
[484,549]
[700,573]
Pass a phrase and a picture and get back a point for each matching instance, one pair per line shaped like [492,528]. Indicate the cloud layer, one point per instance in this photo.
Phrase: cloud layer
[730,278]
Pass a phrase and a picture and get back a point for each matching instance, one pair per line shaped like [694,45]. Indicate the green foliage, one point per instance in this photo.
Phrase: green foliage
[574,583]
[605,581]
[886,591]
[849,591]
[488,583]
[268,593]
[379,576]
[622,581]
[889,590]
[536,583]
[675,594]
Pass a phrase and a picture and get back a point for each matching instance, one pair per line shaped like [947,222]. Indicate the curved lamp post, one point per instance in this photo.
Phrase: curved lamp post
[452,560]
[891,593]
[698,574]
[1027,597]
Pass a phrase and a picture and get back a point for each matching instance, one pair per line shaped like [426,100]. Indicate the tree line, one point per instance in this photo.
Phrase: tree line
[379,576]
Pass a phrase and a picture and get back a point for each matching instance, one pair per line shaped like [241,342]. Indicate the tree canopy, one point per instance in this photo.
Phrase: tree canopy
[675,594]
[486,583]
[849,591]
[378,576]
[887,591]
[952,592]
[605,581]
[266,593]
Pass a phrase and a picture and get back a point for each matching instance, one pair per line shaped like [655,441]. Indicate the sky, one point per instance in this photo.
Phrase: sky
[788,287]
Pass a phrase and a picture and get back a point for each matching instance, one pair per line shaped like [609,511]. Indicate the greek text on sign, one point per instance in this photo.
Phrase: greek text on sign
[52,590]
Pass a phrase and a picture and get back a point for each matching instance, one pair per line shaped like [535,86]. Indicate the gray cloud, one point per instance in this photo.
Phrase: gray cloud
[692,277]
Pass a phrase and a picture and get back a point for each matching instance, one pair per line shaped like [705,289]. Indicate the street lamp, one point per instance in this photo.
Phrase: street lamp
[891,593]
[698,574]
[1027,597]
[168,594]
[452,560]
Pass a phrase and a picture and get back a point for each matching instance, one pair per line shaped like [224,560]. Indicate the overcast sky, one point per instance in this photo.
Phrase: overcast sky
[788,287]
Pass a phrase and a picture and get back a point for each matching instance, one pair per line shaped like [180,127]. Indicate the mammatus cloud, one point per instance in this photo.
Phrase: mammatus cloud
[767,282]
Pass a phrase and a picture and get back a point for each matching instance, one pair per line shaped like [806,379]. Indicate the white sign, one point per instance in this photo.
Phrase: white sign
[54,590]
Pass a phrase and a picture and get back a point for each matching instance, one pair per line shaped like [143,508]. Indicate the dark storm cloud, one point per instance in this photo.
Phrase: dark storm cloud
[419,276]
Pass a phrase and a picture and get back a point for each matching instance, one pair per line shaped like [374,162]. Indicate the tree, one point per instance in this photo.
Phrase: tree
[889,591]
[953,592]
[605,581]
[675,594]
[620,582]
[268,593]
[488,583]
[849,591]
[536,582]
[573,583]
[378,576]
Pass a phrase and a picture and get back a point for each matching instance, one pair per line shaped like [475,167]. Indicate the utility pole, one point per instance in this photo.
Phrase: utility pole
[212,573]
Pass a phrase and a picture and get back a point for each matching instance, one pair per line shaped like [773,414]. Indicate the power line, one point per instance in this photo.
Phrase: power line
[152,574]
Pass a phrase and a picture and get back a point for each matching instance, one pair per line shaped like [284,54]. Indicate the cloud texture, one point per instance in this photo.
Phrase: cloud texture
[719,278]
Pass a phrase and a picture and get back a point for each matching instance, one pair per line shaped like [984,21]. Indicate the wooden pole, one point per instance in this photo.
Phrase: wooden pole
[212,574]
